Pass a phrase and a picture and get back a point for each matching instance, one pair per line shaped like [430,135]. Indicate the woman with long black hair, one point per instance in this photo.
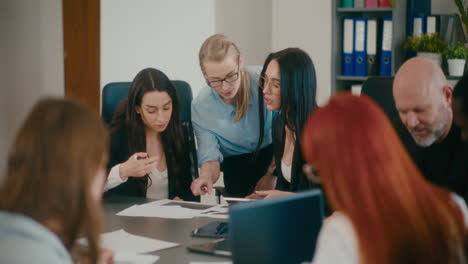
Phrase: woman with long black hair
[149,154]
[289,85]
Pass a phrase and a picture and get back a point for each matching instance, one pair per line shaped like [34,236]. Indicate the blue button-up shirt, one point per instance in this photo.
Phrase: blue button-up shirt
[217,135]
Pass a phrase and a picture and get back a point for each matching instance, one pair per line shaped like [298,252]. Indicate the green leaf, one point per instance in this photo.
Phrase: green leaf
[426,43]
[463,13]
[456,52]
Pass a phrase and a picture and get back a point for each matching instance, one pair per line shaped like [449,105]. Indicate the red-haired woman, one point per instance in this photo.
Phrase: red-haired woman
[385,211]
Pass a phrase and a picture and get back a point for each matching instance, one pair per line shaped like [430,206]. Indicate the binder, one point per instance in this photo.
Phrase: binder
[418,25]
[385,3]
[414,8]
[359,4]
[451,28]
[360,54]
[348,47]
[386,54]
[431,25]
[371,46]
[372,4]
[347,3]
[445,27]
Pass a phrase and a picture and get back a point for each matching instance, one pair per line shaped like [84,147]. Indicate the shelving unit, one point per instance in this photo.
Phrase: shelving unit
[398,14]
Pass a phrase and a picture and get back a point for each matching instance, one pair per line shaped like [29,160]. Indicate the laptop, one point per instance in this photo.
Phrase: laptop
[281,230]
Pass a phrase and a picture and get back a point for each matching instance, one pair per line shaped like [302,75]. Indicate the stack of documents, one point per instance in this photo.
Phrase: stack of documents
[176,210]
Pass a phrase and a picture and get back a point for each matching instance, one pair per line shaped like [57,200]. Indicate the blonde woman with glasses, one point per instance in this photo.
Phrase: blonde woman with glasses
[231,123]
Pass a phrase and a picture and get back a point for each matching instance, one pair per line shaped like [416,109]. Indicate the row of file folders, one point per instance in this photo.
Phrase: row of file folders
[365,3]
[367,47]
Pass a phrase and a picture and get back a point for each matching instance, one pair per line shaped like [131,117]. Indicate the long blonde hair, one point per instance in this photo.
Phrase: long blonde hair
[51,167]
[217,48]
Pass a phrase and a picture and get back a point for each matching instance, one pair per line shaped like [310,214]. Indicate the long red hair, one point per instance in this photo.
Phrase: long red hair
[367,174]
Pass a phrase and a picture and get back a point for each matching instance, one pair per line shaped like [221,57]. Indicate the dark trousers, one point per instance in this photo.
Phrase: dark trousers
[242,172]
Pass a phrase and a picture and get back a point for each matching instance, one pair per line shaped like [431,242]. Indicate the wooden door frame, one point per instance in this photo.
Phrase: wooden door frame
[81,41]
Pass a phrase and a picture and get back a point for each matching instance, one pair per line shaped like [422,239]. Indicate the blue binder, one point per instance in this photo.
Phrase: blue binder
[348,47]
[386,54]
[414,8]
[360,51]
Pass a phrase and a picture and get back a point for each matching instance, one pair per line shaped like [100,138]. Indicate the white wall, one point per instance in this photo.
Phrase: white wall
[258,27]
[443,7]
[3,97]
[154,33]
[32,61]
[248,24]
[306,24]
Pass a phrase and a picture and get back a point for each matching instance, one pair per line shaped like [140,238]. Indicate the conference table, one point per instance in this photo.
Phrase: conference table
[171,230]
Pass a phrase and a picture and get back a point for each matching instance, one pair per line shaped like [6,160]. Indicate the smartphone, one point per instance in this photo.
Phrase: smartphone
[237,199]
[213,229]
[220,247]
[141,157]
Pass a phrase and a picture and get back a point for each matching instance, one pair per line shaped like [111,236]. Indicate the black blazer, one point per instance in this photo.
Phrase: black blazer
[119,153]
[299,181]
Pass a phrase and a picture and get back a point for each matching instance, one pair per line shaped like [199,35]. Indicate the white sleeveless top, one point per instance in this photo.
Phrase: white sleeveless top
[337,242]
[286,171]
[159,185]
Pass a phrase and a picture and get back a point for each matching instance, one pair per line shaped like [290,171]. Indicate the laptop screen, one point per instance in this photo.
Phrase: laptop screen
[282,230]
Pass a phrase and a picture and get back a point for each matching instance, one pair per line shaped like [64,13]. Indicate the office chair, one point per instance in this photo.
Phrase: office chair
[379,89]
[114,93]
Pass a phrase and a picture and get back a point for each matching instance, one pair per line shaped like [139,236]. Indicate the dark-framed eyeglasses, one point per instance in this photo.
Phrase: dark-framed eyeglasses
[229,79]
[266,82]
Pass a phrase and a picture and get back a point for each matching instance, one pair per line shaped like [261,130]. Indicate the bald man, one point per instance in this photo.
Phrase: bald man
[423,99]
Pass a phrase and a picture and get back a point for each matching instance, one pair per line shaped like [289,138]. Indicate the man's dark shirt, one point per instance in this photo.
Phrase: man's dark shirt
[445,163]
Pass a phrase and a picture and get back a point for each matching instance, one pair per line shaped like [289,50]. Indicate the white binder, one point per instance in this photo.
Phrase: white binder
[431,25]
[418,23]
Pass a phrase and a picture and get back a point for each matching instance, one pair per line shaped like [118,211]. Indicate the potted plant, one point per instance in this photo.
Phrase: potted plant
[429,46]
[456,59]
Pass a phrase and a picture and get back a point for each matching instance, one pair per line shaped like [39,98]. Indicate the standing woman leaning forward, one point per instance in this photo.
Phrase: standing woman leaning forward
[231,123]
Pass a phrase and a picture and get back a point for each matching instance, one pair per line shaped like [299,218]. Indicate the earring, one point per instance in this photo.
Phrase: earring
[137,112]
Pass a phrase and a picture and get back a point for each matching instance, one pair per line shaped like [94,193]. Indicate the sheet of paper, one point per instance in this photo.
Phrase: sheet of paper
[207,262]
[218,211]
[123,258]
[122,242]
[175,210]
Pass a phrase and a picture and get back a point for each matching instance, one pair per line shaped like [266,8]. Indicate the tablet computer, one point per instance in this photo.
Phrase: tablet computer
[213,229]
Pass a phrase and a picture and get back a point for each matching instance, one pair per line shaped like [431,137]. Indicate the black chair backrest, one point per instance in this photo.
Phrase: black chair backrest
[114,93]
[380,90]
